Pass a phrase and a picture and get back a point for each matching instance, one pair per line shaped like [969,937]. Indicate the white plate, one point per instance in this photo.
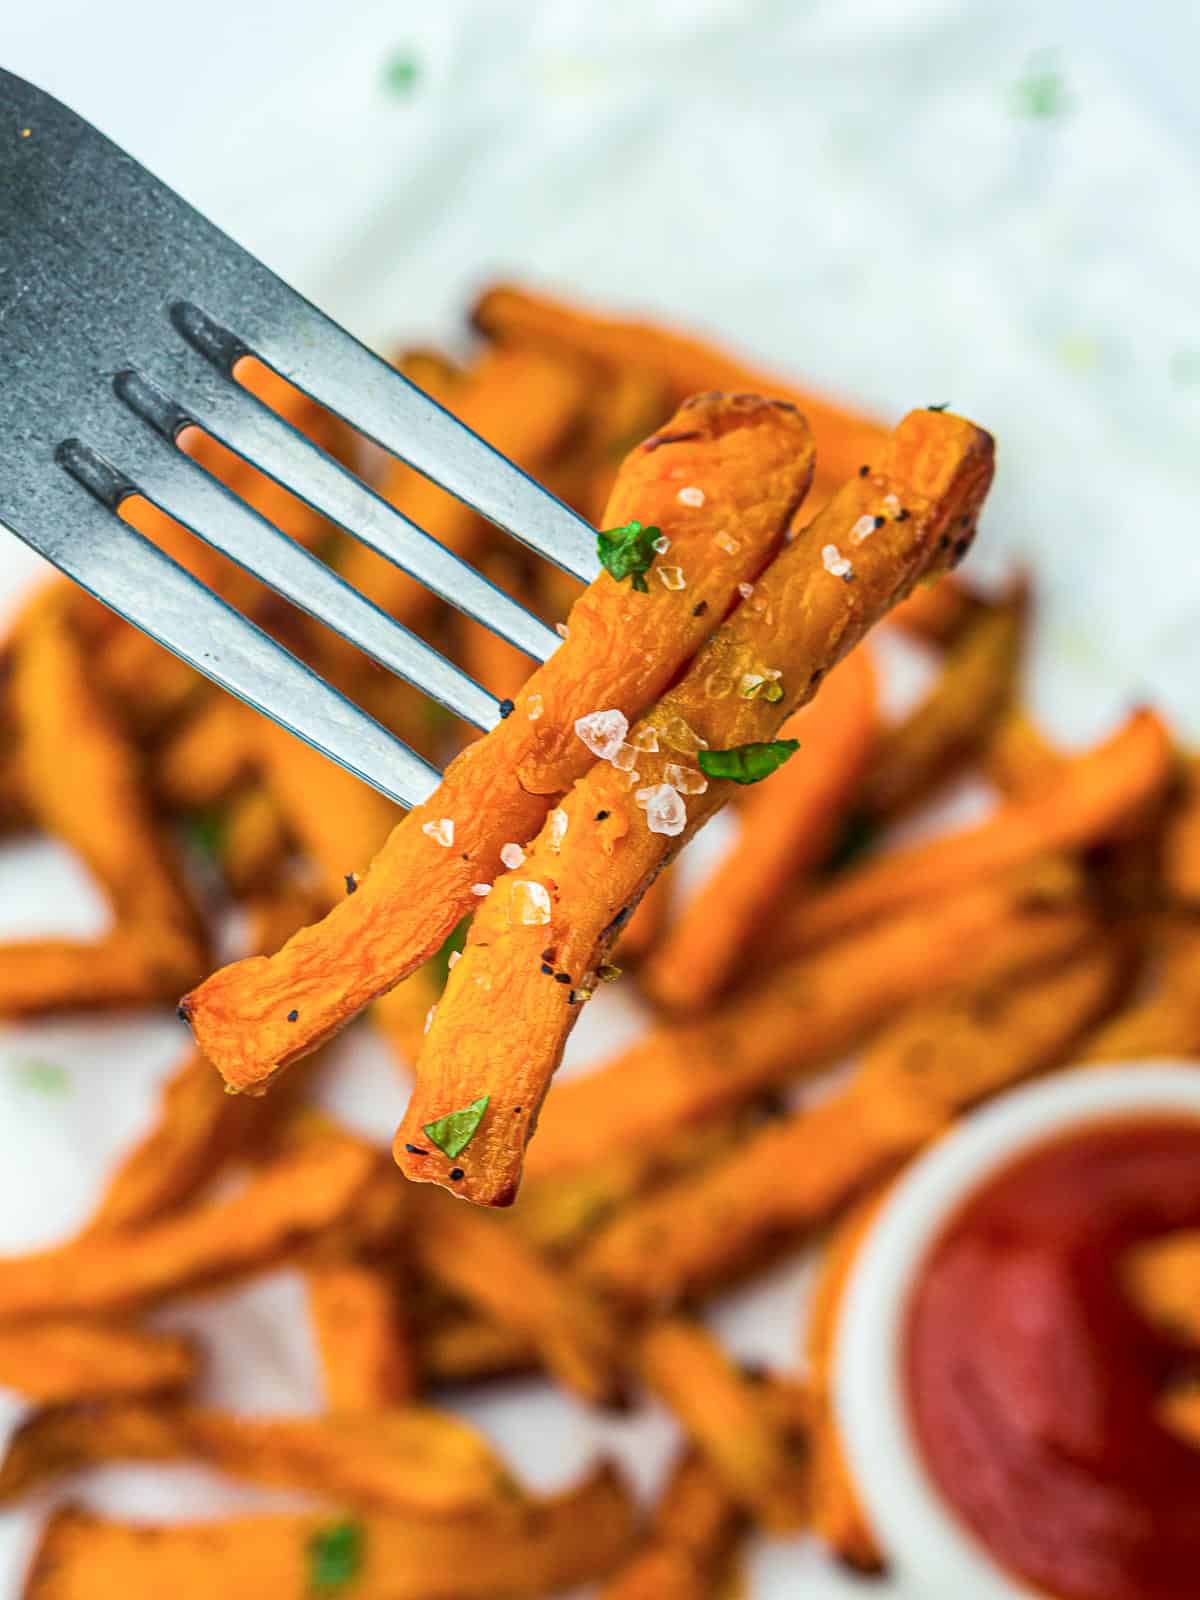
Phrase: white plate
[844,188]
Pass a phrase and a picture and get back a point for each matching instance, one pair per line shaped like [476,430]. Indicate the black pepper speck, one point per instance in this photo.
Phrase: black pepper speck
[562,977]
[293,1016]
[601,816]
[506,708]
[351,883]
[415,1150]
[456,1173]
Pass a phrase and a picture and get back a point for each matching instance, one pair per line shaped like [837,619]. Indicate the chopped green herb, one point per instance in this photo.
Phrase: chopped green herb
[401,73]
[335,1557]
[440,963]
[747,763]
[944,406]
[43,1077]
[454,1132]
[628,552]
[859,834]
[205,833]
[1042,93]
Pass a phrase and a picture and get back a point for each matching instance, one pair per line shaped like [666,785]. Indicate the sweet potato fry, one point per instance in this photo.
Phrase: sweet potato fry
[1019,758]
[1095,793]
[84,782]
[798,1019]
[488,1265]
[1164,1022]
[197,1127]
[976,683]
[515,316]
[1163,1277]
[916,1077]
[650,918]
[362,1334]
[509,1005]
[279,1210]
[693,1534]
[837,1517]
[937,612]
[755,460]
[724,1413]
[463,1348]
[1181,853]
[200,763]
[41,976]
[787,827]
[537,1548]
[526,403]
[412,1459]
[339,821]
[253,843]
[60,1362]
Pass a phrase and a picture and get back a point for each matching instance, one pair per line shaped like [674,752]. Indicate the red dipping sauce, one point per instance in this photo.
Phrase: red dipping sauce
[1033,1381]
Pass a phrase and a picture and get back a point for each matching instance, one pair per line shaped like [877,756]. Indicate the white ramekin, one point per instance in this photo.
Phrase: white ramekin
[930,1552]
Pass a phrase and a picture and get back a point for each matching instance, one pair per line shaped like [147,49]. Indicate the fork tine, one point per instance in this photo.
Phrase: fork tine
[221,406]
[186,492]
[121,568]
[314,353]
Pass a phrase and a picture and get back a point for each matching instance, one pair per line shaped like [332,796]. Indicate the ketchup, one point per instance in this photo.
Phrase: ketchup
[1034,1382]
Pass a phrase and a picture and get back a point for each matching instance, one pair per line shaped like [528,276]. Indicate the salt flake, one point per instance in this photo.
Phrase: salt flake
[835,563]
[682,738]
[512,855]
[730,546]
[556,824]
[481,889]
[530,902]
[534,706]
[862,529]
[671,577]
[686,779]
[661,545]
[664,808]
[644,739]
[691,496]
[441,831]
[603,732]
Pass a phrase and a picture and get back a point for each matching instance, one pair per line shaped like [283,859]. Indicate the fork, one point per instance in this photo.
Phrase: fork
[123,313]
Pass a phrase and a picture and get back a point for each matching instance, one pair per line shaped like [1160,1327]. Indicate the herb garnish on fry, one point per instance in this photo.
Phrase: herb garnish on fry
[747,763]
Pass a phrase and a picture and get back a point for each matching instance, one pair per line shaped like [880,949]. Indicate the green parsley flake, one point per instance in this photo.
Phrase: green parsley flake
[401,74]
[335,1557]
[454,1132]
[628,552]
[440,963]
[747,763]
[43,1077]
[205,833]
[1042,93]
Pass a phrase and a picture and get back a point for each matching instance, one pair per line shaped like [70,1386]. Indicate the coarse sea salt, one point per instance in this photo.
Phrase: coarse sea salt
[530,902]
[603,732]
[625,757]
[481,889]
[686,779]
[534,706]
[664,808]
[441,831]
[429,1016]
[679,736]
[452,961]
[556,824]
[745,590]
[512,855]
[671,577]
[835,562]
[644,739]
[862,529]
[691,496]
[661,545]
[730,546]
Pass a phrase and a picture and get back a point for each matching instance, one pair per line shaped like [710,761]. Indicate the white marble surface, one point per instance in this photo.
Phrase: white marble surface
[854,189]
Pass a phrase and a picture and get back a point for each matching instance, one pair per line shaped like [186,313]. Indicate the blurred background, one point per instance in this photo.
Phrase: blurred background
[988,204]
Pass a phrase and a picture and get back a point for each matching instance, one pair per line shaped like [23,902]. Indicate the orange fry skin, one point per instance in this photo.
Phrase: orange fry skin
[787,826]
[845,439]
[503,1021]
[1092,795]
[754,461]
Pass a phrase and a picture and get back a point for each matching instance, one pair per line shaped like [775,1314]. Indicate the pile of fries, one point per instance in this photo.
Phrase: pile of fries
[1064,929]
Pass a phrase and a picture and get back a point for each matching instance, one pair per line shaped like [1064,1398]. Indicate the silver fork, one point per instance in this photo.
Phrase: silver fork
[123,313]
